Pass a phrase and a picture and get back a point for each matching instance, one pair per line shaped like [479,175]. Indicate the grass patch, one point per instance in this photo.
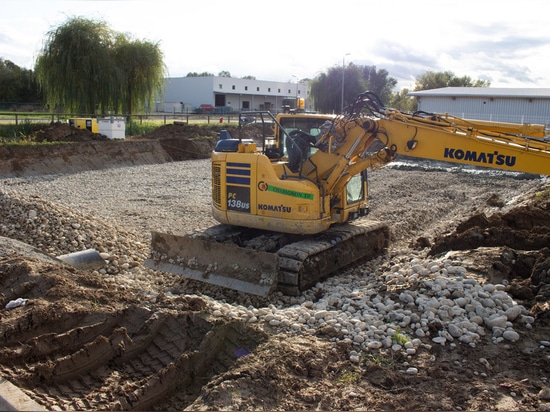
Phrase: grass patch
[378,360]
[353,376]
[16,133]
[543,194]
[134,128]
[399,338]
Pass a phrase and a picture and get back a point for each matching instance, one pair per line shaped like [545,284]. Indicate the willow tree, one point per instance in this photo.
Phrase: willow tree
[141,70]
[87,68]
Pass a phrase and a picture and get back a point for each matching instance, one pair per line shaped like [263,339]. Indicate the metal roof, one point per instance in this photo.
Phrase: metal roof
[484,92]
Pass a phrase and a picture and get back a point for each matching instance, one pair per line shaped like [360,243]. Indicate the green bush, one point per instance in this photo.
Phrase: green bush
[16,133]
[140,128]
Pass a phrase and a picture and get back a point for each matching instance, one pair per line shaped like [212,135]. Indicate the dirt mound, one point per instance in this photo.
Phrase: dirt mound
[62,132]
[75,150]
[526,227]
[73,157]
[515,244]
[295,373]
[183,141]
[183,130]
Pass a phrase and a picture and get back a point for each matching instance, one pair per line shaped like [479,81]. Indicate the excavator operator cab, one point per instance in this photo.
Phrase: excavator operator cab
[287,137]
[298,134]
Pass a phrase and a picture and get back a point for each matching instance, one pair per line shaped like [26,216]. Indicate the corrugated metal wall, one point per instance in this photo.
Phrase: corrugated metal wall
[496,109]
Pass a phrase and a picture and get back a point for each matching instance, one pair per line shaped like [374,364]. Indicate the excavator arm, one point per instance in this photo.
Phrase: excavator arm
[441,137]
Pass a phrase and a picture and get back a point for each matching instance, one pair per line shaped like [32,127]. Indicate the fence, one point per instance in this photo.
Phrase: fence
[164,118]
[506,118]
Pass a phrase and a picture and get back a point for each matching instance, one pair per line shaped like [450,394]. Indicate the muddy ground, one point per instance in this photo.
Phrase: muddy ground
[82,341]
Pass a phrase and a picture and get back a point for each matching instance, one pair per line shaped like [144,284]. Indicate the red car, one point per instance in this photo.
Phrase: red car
[206,108]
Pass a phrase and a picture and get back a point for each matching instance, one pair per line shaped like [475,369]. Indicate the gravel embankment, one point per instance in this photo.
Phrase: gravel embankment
[114,210]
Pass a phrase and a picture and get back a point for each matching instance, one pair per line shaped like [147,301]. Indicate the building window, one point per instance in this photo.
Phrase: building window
[258,88]
[221,87]
[289,91]
[245,88]
[233,87]
[269,89]
[278,90]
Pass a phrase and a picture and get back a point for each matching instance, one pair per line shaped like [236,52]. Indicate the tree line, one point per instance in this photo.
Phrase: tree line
[339,86]
[86,67]
[18,85]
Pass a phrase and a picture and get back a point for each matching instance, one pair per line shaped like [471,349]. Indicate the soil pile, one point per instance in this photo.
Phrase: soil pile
[63,132]
[522,238]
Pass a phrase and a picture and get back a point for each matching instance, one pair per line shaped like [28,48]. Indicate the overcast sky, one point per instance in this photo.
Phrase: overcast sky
[502,41]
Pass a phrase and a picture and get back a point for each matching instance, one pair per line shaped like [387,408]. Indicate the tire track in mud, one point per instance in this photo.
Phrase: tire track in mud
[127,358]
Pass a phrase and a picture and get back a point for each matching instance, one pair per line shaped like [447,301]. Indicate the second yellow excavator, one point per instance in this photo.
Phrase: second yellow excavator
[293,211]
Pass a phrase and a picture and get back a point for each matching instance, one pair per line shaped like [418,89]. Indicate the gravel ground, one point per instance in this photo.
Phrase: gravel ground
[176,196]
[418,202]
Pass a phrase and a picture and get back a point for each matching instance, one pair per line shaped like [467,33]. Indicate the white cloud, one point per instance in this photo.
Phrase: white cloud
[504,42]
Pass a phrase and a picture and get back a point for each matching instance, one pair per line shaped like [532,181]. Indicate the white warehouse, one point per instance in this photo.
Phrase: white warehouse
[512,105]
[229,94]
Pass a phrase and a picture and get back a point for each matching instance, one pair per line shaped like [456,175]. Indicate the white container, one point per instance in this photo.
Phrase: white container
[112,127]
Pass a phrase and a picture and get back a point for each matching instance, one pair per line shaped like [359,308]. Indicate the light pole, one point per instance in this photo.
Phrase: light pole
[343,79]
[296,103]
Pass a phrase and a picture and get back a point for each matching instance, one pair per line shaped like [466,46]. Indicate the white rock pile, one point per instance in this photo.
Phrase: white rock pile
[397,306]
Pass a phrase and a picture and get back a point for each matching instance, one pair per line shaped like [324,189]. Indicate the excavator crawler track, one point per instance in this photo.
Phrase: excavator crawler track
[260,262]
[305,262]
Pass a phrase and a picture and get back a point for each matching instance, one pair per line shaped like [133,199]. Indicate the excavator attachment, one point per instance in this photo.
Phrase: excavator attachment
[260,262]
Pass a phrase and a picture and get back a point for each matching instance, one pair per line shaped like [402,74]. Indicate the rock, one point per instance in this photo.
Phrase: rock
[454,330]
[420,333]
[374,345]
[454,270]
[485,363]
[320,314]
[511,335]
[513,313]
[358,339]
[496,321]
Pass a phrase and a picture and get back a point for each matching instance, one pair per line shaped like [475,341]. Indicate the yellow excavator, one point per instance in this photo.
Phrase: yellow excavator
[292,208]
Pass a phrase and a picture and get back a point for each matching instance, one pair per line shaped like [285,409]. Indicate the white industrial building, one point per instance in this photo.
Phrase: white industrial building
[513,105]
[229,94]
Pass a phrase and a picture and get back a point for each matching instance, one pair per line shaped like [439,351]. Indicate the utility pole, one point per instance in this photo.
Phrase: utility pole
[296,104]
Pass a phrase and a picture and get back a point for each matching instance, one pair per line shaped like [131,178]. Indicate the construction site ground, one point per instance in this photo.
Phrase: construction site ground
[124,337]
